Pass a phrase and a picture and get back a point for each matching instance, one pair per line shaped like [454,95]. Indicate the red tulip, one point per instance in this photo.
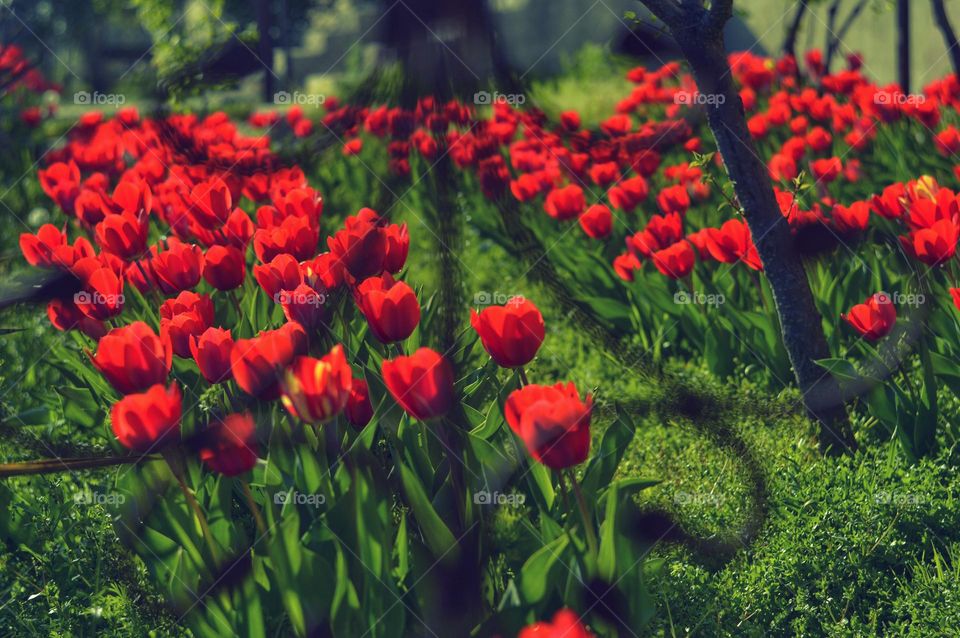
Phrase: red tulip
[626,265]
[661,231]
[570,120]
[64,315]
[732,243]
[604,173]
[526,187]
[123,234]
[101,296]
[510,334]
[304,305]
[212,202]
[565,203]
[628,194]
[258,363]
[782,167]
[955,295]
[874,318]
[674,199]
[61,182]
[398,245]
[936,244]
[324,271]
[826,170]
[597,222]
[133,358]
[187,316]
[316,390]
[359,410]
[890,204]
[143,421]
[178,267]
[421,383]
[49,248]
[224,267]
[390,308]
[851,219]
[361,246]
[352,147]
[565,624]
[675,261]
[948,141]
[295,235]
[229,446]
[211,351]
[281,273]
[553,423]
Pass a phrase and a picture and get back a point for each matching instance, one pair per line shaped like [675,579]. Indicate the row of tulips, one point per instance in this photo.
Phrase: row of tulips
[229,347]
[647,180]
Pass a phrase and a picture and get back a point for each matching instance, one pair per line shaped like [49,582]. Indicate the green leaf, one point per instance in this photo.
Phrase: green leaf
[841,369]
[613,445]
[535,573]
[607,557]
[437,535]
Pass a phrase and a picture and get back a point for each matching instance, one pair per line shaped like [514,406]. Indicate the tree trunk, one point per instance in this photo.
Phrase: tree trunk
[790,41]
[447,49]
[949,35]
[700,36]
[265,47]
[903,45]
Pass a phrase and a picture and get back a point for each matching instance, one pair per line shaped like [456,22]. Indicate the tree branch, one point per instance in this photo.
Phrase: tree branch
[949,35]
[790,40]
[720,12]
[667,10]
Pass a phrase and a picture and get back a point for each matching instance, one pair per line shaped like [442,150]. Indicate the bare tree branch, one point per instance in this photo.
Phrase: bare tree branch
[790,40]
[949,35]
[835,39]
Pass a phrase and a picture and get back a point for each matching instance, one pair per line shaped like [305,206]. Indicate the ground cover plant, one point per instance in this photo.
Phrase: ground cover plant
[451,367]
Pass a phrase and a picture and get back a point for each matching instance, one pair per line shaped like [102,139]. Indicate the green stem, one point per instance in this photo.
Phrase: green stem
[252,504]
[175,469]
[585,515]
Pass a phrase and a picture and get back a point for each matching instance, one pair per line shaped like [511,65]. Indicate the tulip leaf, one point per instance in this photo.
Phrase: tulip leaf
[613,445]
[535,573]
[841,369]
[435,532]
[491,424]
[630,486]
[607,557]
[540,476]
